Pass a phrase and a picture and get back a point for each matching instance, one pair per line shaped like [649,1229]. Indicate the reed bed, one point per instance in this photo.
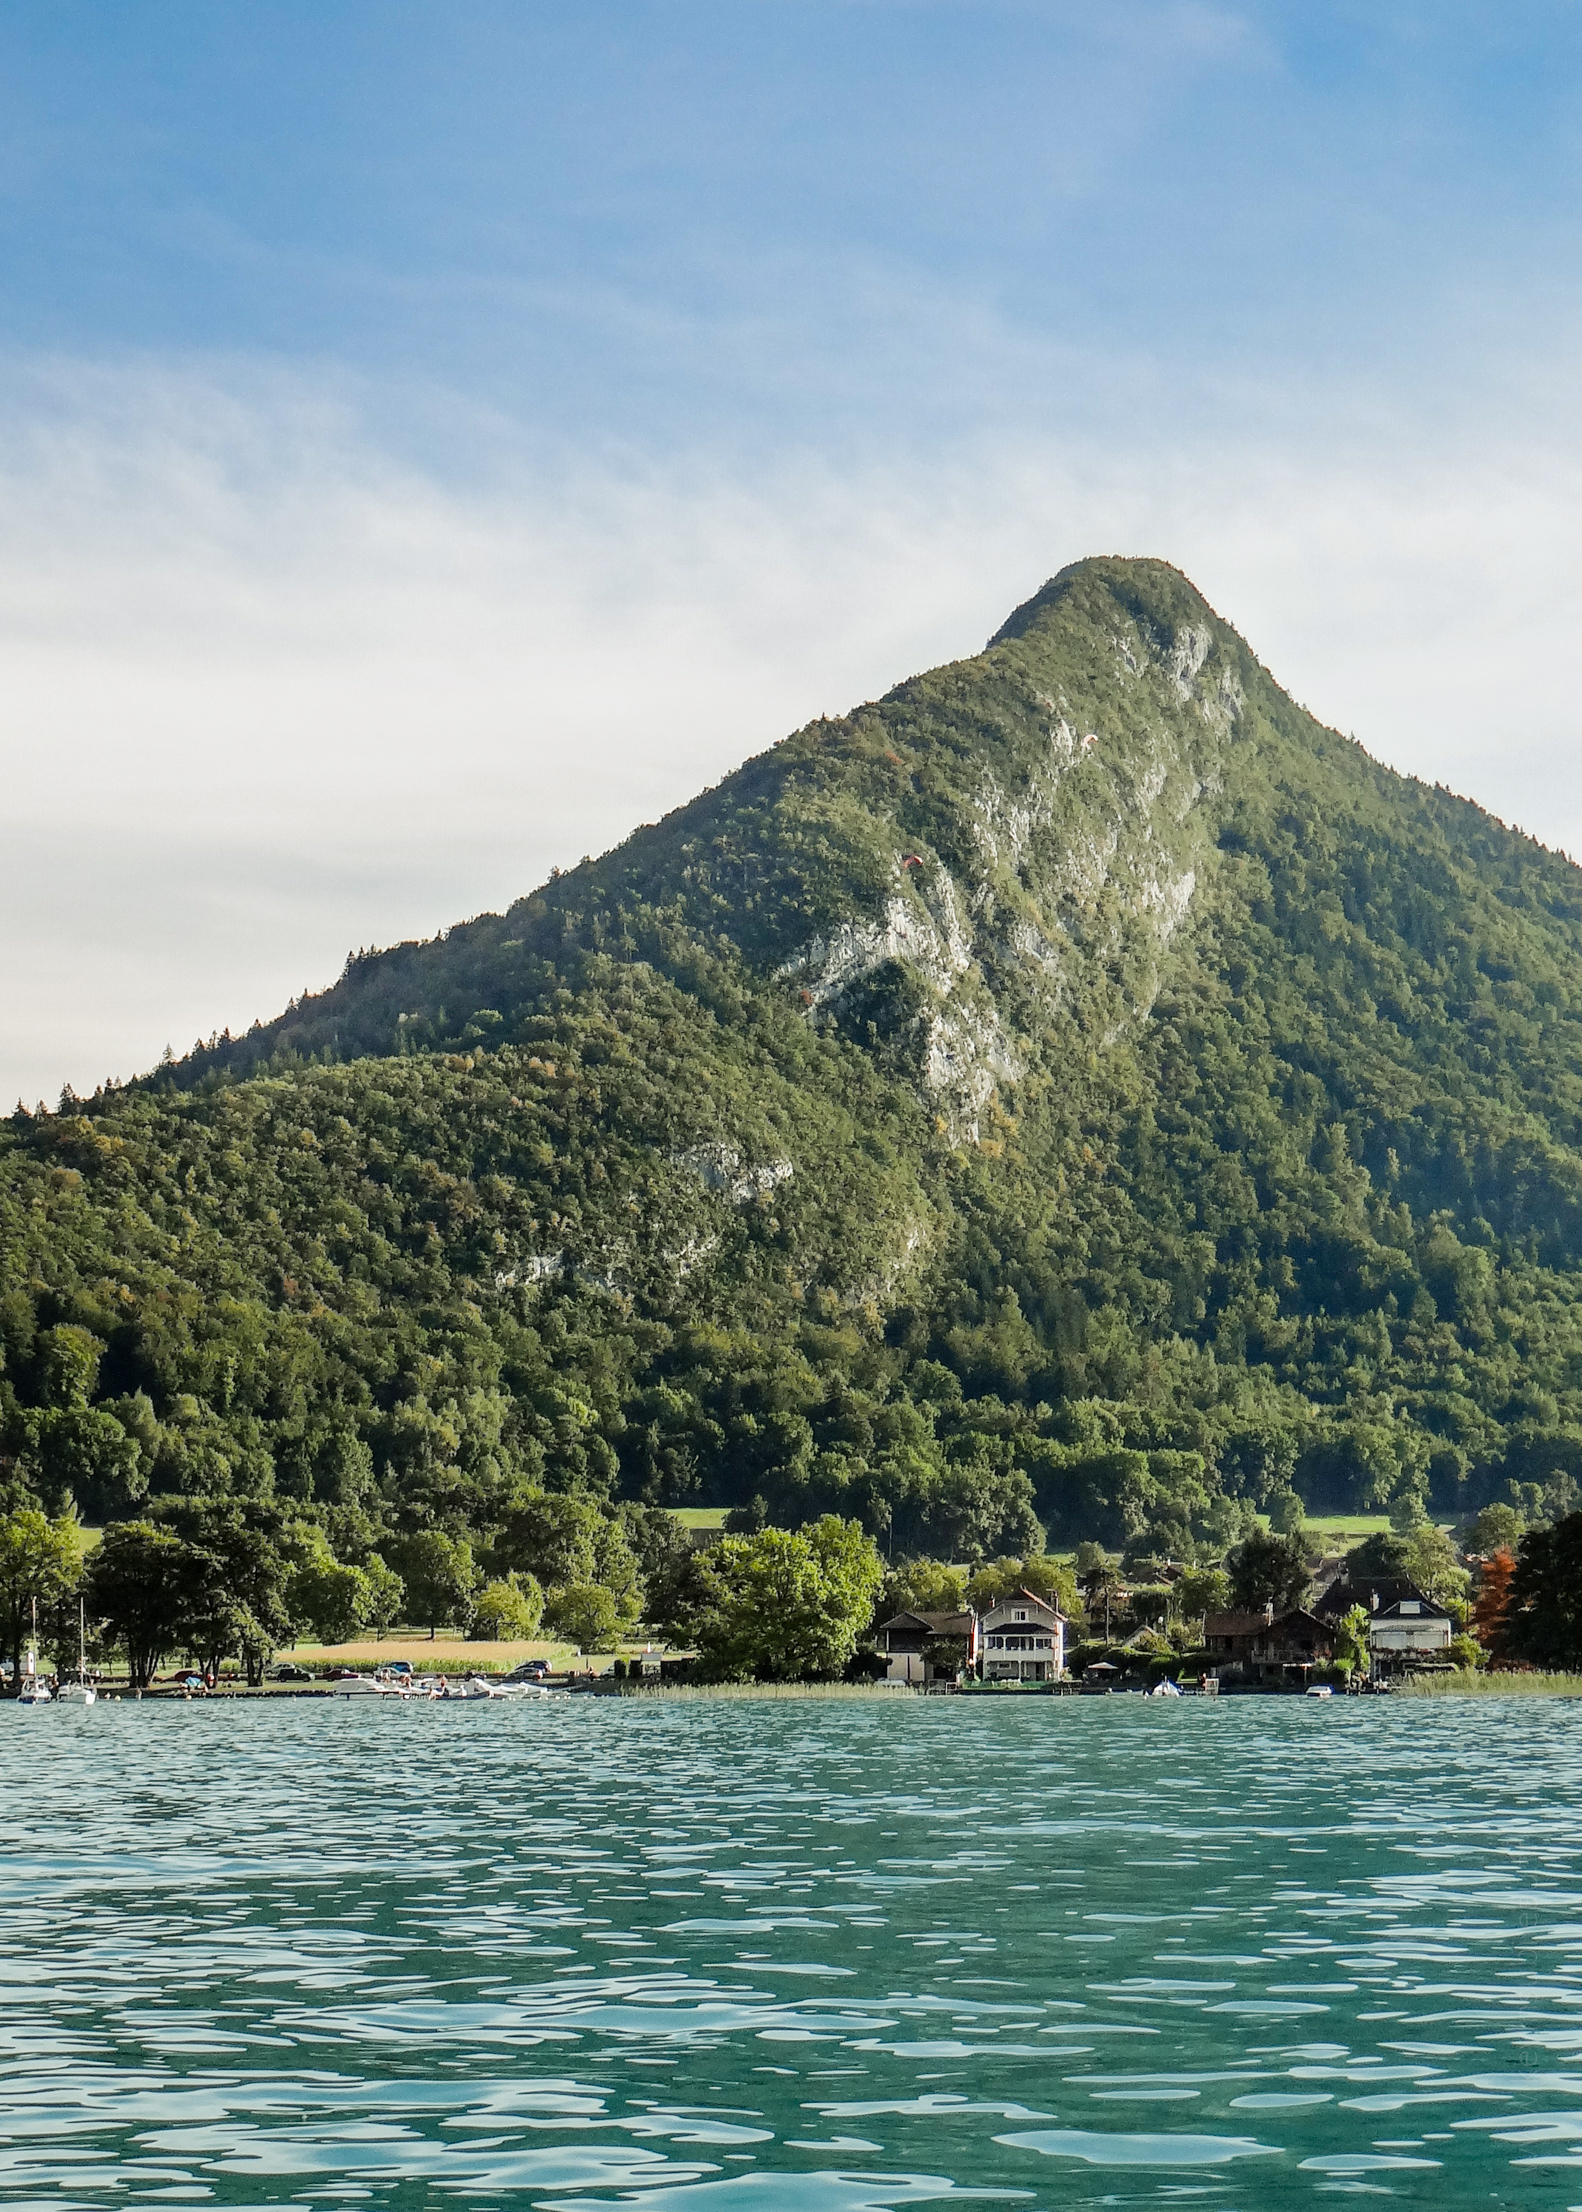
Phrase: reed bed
[756,1689]
[1470,1684]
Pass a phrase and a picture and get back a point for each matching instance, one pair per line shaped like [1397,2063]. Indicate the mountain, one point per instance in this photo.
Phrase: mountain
[1077,1083]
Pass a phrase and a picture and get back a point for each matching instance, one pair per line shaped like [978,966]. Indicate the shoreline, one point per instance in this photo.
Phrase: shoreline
[1460,1685]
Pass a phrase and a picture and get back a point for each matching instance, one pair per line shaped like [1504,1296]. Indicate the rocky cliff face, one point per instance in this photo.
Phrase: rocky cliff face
[1068,862]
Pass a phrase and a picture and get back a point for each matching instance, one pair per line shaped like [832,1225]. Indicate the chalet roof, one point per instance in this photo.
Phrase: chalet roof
[1235,1624]
[1260,1624]
[1374,1593]
[928,1624]
[1019,1598]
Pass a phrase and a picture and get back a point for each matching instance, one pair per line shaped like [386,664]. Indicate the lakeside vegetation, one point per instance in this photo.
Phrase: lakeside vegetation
[770,1606]
[1468,1682]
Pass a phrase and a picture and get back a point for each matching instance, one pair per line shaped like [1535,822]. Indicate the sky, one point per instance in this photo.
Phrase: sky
[435,440]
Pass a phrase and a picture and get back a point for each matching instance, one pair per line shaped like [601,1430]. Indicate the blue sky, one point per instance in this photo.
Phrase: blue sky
[436,438]
[643,224]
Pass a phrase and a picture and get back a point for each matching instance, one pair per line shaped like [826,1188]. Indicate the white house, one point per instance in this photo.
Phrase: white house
[1022,1639]
[1411,1624]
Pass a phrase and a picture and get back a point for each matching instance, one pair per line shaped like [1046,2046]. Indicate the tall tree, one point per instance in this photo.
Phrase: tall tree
[786,1606]
[585,1614]
[508,1610]
[1353,1649]
[1268,1570]
[1544,1621]
[439,1575]
[147,1585]
[330,1599]
[1043,1576]
[1491,1607]
[247,1614]
[40,1563]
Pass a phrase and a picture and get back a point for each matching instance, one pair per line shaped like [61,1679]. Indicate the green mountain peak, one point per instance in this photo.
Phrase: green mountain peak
[1077,1081]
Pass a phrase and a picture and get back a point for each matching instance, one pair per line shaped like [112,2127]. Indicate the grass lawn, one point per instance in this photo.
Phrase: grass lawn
[1339,1531]
[700,1516]
[449,1653]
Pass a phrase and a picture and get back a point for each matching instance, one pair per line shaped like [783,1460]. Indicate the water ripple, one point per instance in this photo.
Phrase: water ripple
[792,1957]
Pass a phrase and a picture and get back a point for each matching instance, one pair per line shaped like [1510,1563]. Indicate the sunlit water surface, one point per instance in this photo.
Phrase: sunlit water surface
[792,1956]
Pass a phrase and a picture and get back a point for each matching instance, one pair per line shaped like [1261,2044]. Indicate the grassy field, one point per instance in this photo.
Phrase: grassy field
[447,1654]
[699,1516]
[1469,1684]
[1339,1531]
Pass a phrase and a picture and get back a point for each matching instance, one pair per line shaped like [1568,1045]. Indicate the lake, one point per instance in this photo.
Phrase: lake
[779,1955]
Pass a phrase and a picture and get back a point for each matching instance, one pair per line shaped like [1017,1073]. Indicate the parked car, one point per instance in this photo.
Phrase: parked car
[291,1674]
[531,1670]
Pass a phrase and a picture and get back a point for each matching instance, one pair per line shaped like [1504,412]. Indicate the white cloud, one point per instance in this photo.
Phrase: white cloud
[270,690]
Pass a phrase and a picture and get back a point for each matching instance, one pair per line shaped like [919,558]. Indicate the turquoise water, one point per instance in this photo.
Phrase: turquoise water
[792,1956]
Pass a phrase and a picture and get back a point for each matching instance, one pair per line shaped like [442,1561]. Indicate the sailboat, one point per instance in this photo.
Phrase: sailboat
[82,1691]
[34,1690]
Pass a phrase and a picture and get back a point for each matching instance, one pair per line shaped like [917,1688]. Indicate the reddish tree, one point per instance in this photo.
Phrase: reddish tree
[1493,1601]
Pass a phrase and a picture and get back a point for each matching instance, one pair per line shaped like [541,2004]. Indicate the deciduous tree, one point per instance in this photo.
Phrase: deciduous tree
[507,1610]
[1543,1623]
[585,1614]
[1492,1603]
[146,1584]
[439,1575]
[786,1606]
[1268,1570]
[40,1563]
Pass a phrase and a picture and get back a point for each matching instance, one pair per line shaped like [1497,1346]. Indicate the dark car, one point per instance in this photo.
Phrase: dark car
[291,1674]
[531,1670]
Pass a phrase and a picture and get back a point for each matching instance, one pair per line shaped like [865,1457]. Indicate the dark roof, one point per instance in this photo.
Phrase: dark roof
[928,1624]
[1234,1624]
[1374,1593]
[1300,1613]
[1259,1624]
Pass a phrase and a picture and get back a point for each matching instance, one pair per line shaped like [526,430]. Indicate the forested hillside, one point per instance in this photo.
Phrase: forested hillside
[1076,1088]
